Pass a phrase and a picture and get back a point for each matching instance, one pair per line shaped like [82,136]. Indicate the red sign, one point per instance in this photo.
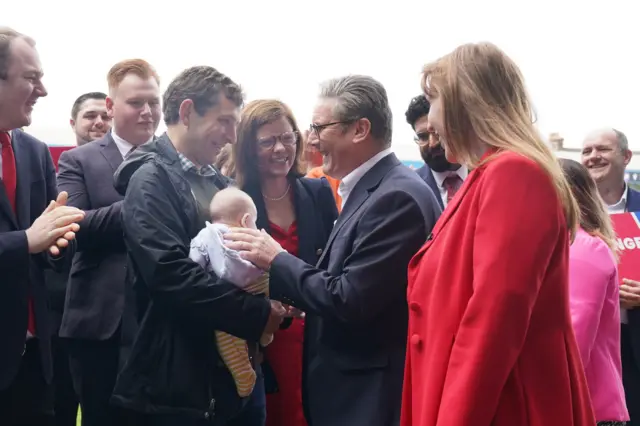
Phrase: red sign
[627,227]
[56,151]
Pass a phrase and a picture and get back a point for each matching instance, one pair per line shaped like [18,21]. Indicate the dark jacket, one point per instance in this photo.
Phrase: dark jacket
[355,298]
[95,295]
[174,366]
[22,274]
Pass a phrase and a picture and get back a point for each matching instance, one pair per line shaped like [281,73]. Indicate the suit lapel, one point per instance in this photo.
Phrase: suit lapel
[306,218]
[110,151]
[5,207]
[427,175]
[23,186]
[365,186]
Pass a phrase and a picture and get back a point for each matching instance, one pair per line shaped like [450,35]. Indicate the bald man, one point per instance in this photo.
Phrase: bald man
[606,154]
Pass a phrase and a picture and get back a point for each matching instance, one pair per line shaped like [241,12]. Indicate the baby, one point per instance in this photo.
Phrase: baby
[231,207]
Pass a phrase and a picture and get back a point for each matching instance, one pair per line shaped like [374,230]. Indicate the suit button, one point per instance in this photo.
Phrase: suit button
[416,340]
[319,252]
[415,307]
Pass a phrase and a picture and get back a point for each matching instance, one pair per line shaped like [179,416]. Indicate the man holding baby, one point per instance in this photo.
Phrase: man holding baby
[175,374]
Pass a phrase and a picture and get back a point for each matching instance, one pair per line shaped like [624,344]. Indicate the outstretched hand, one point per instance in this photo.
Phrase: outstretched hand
[255,246]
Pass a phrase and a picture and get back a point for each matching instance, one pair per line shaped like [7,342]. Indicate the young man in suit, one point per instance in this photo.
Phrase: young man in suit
[355,297]
[444,178]
[89,121]
[35,230]
[606,154]
[99,317]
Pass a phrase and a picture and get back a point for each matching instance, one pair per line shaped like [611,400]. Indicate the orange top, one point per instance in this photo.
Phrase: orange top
[317,173]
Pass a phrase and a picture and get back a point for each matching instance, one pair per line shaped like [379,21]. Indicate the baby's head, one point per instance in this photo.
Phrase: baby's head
[233,207]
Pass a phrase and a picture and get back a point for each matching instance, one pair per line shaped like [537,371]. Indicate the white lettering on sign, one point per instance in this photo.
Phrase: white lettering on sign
[628,243]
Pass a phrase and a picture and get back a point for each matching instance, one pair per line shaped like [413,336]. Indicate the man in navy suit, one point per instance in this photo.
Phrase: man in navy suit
[35,230]
[354,298]
[444,178]
[606,154]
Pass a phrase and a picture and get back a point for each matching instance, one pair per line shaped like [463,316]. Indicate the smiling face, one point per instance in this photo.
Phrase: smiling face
[331,139]
[207,134]
[135,108]
[92,121]
[603,157]
[276,148]
[22,87]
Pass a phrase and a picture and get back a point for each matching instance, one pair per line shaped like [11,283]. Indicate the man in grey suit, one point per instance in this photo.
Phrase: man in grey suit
[355,297]
[98,323]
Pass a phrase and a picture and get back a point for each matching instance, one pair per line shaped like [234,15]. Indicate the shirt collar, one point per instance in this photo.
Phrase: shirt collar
[123,146]
[441,176]
[188,166]
[349,181]
[621,204]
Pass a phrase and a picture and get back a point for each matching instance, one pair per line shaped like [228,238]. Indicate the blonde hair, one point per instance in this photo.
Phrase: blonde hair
[483,97]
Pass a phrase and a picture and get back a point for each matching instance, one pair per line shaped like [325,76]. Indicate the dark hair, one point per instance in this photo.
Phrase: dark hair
[7,36]
[255,115]
[594,218]
[201,84]
[418,108]
[77,104]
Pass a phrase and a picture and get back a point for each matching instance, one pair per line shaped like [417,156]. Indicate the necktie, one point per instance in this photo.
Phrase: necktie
[451,184]
[8,169]
[9,179]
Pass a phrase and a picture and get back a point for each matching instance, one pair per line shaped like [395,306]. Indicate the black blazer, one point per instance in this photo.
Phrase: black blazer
[316,212]
[355,299]
[427,176]
[20,272]
[633,205]
[94,302]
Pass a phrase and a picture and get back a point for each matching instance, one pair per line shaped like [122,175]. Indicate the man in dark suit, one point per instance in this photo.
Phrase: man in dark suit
[35,228]
[89,121]
[95,320]
[355,297]
[444,178]
[606,154]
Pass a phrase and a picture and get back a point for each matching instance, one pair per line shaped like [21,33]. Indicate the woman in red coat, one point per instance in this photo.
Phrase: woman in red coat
[490,339]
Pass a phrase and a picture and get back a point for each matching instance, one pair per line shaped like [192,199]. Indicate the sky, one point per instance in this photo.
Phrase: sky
[579,59]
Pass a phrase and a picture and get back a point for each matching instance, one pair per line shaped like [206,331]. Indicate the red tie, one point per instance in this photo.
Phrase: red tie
[451,184]
[9,179]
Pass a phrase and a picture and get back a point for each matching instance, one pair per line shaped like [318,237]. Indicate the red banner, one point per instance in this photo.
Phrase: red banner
[56,151]
[627,227]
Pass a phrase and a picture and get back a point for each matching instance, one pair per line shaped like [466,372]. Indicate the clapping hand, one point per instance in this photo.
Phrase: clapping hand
[55,227]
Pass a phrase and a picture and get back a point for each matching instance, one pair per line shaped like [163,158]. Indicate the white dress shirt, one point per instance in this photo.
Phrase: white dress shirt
[123,146]
[349,181]
[439,177]
[616,208]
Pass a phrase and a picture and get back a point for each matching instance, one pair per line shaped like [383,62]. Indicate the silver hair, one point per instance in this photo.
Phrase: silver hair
[623,142]
[361,96]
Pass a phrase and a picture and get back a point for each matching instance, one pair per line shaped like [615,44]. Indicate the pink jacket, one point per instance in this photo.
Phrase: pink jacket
[595,312]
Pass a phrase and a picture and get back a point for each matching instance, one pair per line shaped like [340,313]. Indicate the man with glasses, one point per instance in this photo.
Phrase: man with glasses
[354,298]
[444,178]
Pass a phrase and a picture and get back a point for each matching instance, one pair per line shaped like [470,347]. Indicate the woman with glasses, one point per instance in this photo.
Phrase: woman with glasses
[299,213]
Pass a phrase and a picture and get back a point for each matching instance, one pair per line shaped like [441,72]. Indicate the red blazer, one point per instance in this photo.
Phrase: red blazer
[490,339]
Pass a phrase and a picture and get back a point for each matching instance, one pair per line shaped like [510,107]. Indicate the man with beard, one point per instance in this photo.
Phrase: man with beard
[444,178]
[89,118]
